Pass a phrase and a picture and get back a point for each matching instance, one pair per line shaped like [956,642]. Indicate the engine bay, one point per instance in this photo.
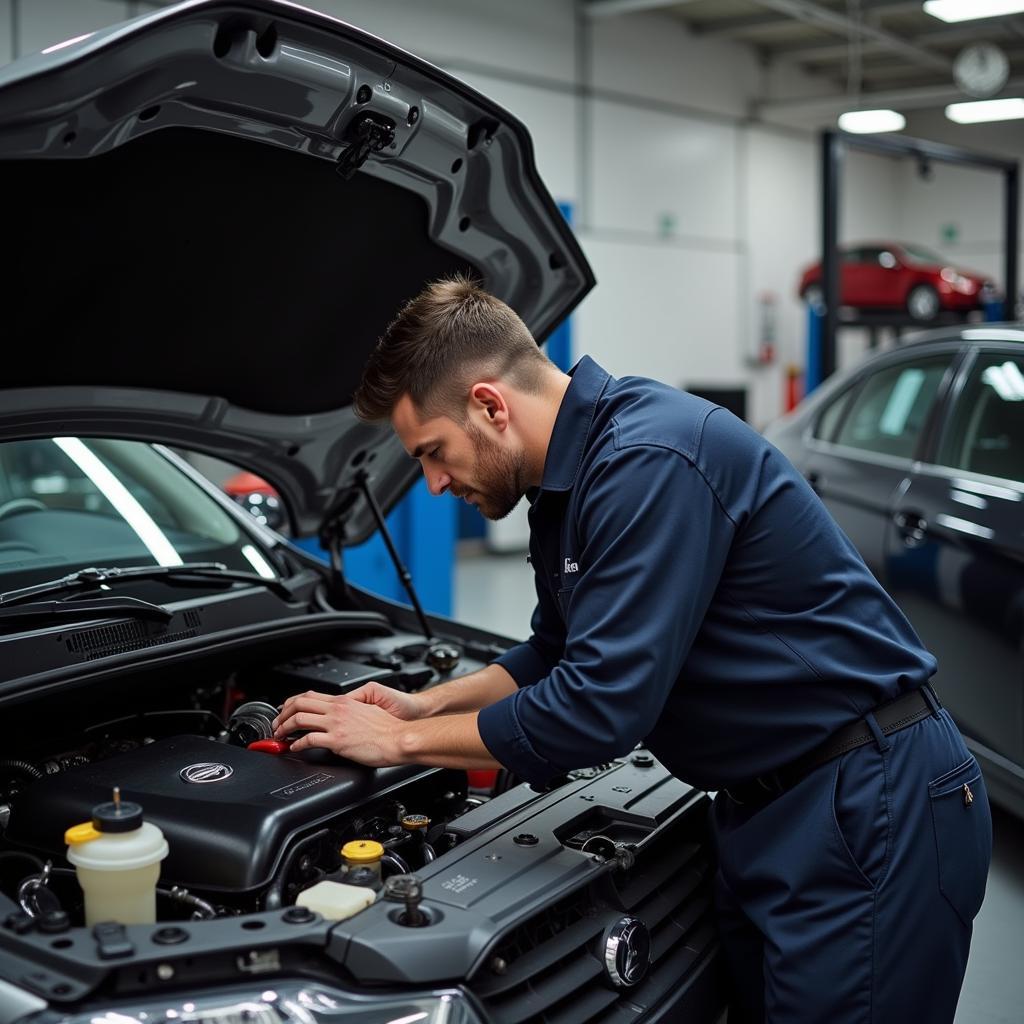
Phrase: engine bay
[476,883]
[249,825]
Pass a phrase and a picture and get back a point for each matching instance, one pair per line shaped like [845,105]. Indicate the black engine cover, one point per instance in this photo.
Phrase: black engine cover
[227,830]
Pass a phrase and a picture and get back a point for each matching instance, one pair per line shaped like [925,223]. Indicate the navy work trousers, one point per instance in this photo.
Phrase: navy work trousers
[850,897]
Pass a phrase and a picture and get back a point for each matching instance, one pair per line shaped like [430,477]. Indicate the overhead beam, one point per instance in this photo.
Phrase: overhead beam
[613,8]
[823,53]
[814,52]
[900,99]
[880,9]
[735,26]
[824,17]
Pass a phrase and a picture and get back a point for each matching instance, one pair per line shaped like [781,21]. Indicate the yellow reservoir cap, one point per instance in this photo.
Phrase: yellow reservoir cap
[362,851]
[81,833]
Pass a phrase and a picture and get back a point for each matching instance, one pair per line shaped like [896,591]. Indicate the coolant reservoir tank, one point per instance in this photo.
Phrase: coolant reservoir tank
[117,860]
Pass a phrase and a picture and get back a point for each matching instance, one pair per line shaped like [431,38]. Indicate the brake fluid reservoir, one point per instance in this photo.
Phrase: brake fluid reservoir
[117,860]
[362,863]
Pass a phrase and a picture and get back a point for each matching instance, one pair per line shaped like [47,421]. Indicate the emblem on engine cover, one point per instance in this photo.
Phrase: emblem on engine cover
[627,952]
[206,771]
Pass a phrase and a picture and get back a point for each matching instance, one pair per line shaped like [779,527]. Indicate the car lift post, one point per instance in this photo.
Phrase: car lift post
[834,147]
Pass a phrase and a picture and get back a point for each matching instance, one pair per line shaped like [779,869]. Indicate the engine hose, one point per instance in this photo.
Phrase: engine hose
[202,909]
[22,766]
[10,854]
[274,898]
[428,853]
[393,860]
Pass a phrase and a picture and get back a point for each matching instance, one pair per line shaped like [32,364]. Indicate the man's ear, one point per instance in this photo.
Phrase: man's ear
[487,406]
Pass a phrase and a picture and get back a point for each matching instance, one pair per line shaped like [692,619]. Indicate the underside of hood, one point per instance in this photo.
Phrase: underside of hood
[214,211]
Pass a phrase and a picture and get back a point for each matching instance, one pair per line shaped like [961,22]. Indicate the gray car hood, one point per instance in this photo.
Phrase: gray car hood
[188,266]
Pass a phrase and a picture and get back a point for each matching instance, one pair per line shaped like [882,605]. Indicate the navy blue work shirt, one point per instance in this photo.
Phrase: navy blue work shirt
[693,593]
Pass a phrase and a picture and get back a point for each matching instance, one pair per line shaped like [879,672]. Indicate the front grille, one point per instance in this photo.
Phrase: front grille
[551,966]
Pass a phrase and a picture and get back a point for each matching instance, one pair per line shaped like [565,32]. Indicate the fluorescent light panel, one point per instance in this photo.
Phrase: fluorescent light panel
[869,122]
[986,110]
[122,499]
[969,10]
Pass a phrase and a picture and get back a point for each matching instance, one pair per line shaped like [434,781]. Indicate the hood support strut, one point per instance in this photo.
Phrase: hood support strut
[331,536]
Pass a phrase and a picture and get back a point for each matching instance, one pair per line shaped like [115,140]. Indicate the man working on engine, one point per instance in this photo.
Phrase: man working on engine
[692,593]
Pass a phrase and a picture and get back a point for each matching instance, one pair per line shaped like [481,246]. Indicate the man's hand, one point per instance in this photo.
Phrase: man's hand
[367,731]
[357,729]
[406,706]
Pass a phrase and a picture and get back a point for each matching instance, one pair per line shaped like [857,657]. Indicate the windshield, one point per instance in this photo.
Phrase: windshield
[68,503]
[922,255]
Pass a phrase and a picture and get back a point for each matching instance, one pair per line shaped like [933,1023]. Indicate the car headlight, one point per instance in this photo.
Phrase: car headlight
[958,281]
[293,1003]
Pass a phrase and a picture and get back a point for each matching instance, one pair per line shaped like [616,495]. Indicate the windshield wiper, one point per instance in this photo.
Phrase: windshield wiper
[87,608]
[99,579]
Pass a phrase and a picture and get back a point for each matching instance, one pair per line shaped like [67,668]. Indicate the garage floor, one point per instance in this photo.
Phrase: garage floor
[496,593]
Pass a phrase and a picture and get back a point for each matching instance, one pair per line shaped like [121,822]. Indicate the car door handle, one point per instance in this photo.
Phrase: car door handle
[913,528]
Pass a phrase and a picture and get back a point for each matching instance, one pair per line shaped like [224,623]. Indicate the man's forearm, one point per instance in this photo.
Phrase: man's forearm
[446,741]
[470,693]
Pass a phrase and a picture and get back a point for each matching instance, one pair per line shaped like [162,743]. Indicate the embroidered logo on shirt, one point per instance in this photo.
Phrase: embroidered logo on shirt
[571,566]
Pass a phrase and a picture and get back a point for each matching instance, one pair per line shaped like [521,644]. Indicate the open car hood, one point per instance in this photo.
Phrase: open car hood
[204,254]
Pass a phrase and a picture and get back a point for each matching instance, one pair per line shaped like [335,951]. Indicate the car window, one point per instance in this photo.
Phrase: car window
[67,503]
[890,410]
[986,431]
[922,255]
[829,419]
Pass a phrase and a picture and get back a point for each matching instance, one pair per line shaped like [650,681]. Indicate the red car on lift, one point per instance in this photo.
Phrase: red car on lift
[894,276]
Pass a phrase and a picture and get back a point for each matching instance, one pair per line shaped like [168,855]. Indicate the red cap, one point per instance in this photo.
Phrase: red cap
[482,778]
[270,746]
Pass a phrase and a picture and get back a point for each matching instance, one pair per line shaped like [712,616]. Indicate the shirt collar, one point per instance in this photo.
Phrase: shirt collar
[572,425]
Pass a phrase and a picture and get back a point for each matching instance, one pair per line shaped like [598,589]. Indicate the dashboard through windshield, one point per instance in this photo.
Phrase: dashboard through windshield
[68,503]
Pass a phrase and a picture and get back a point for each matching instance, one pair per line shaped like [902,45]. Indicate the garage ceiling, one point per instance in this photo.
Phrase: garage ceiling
[888,50]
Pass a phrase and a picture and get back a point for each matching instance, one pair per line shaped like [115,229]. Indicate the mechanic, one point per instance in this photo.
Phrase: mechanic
[694,594]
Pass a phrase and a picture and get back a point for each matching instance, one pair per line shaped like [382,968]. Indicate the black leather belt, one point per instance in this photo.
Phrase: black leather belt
[897,714]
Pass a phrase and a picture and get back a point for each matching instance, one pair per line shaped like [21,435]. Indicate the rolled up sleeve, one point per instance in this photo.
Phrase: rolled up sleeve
[655,540]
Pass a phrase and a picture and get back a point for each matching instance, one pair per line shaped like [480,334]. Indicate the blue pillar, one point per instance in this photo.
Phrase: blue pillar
[559,343]
[423,528]
[815,323]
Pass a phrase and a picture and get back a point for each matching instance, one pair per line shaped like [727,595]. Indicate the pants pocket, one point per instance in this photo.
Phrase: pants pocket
[963,836]
[860,813]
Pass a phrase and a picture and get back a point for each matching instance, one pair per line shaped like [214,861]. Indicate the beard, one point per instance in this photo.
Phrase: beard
[499,475]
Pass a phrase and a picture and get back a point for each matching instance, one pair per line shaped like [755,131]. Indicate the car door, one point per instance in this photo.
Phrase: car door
[860,467]
[889,280]
[874,277]
[955,551]
[852,290]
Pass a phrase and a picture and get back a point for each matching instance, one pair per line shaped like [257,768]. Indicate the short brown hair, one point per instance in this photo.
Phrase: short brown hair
[452,334]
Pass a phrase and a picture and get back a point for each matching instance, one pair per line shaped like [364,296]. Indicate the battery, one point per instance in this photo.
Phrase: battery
[327,673]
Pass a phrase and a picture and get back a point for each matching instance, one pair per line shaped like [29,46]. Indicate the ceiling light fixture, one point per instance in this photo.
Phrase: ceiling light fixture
[986,110]
[864,122]
[969,10]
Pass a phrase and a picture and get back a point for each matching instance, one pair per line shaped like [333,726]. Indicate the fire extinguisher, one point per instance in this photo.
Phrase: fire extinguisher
[764,353]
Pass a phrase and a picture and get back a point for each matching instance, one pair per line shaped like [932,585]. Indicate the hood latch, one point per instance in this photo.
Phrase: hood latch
[368,133]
